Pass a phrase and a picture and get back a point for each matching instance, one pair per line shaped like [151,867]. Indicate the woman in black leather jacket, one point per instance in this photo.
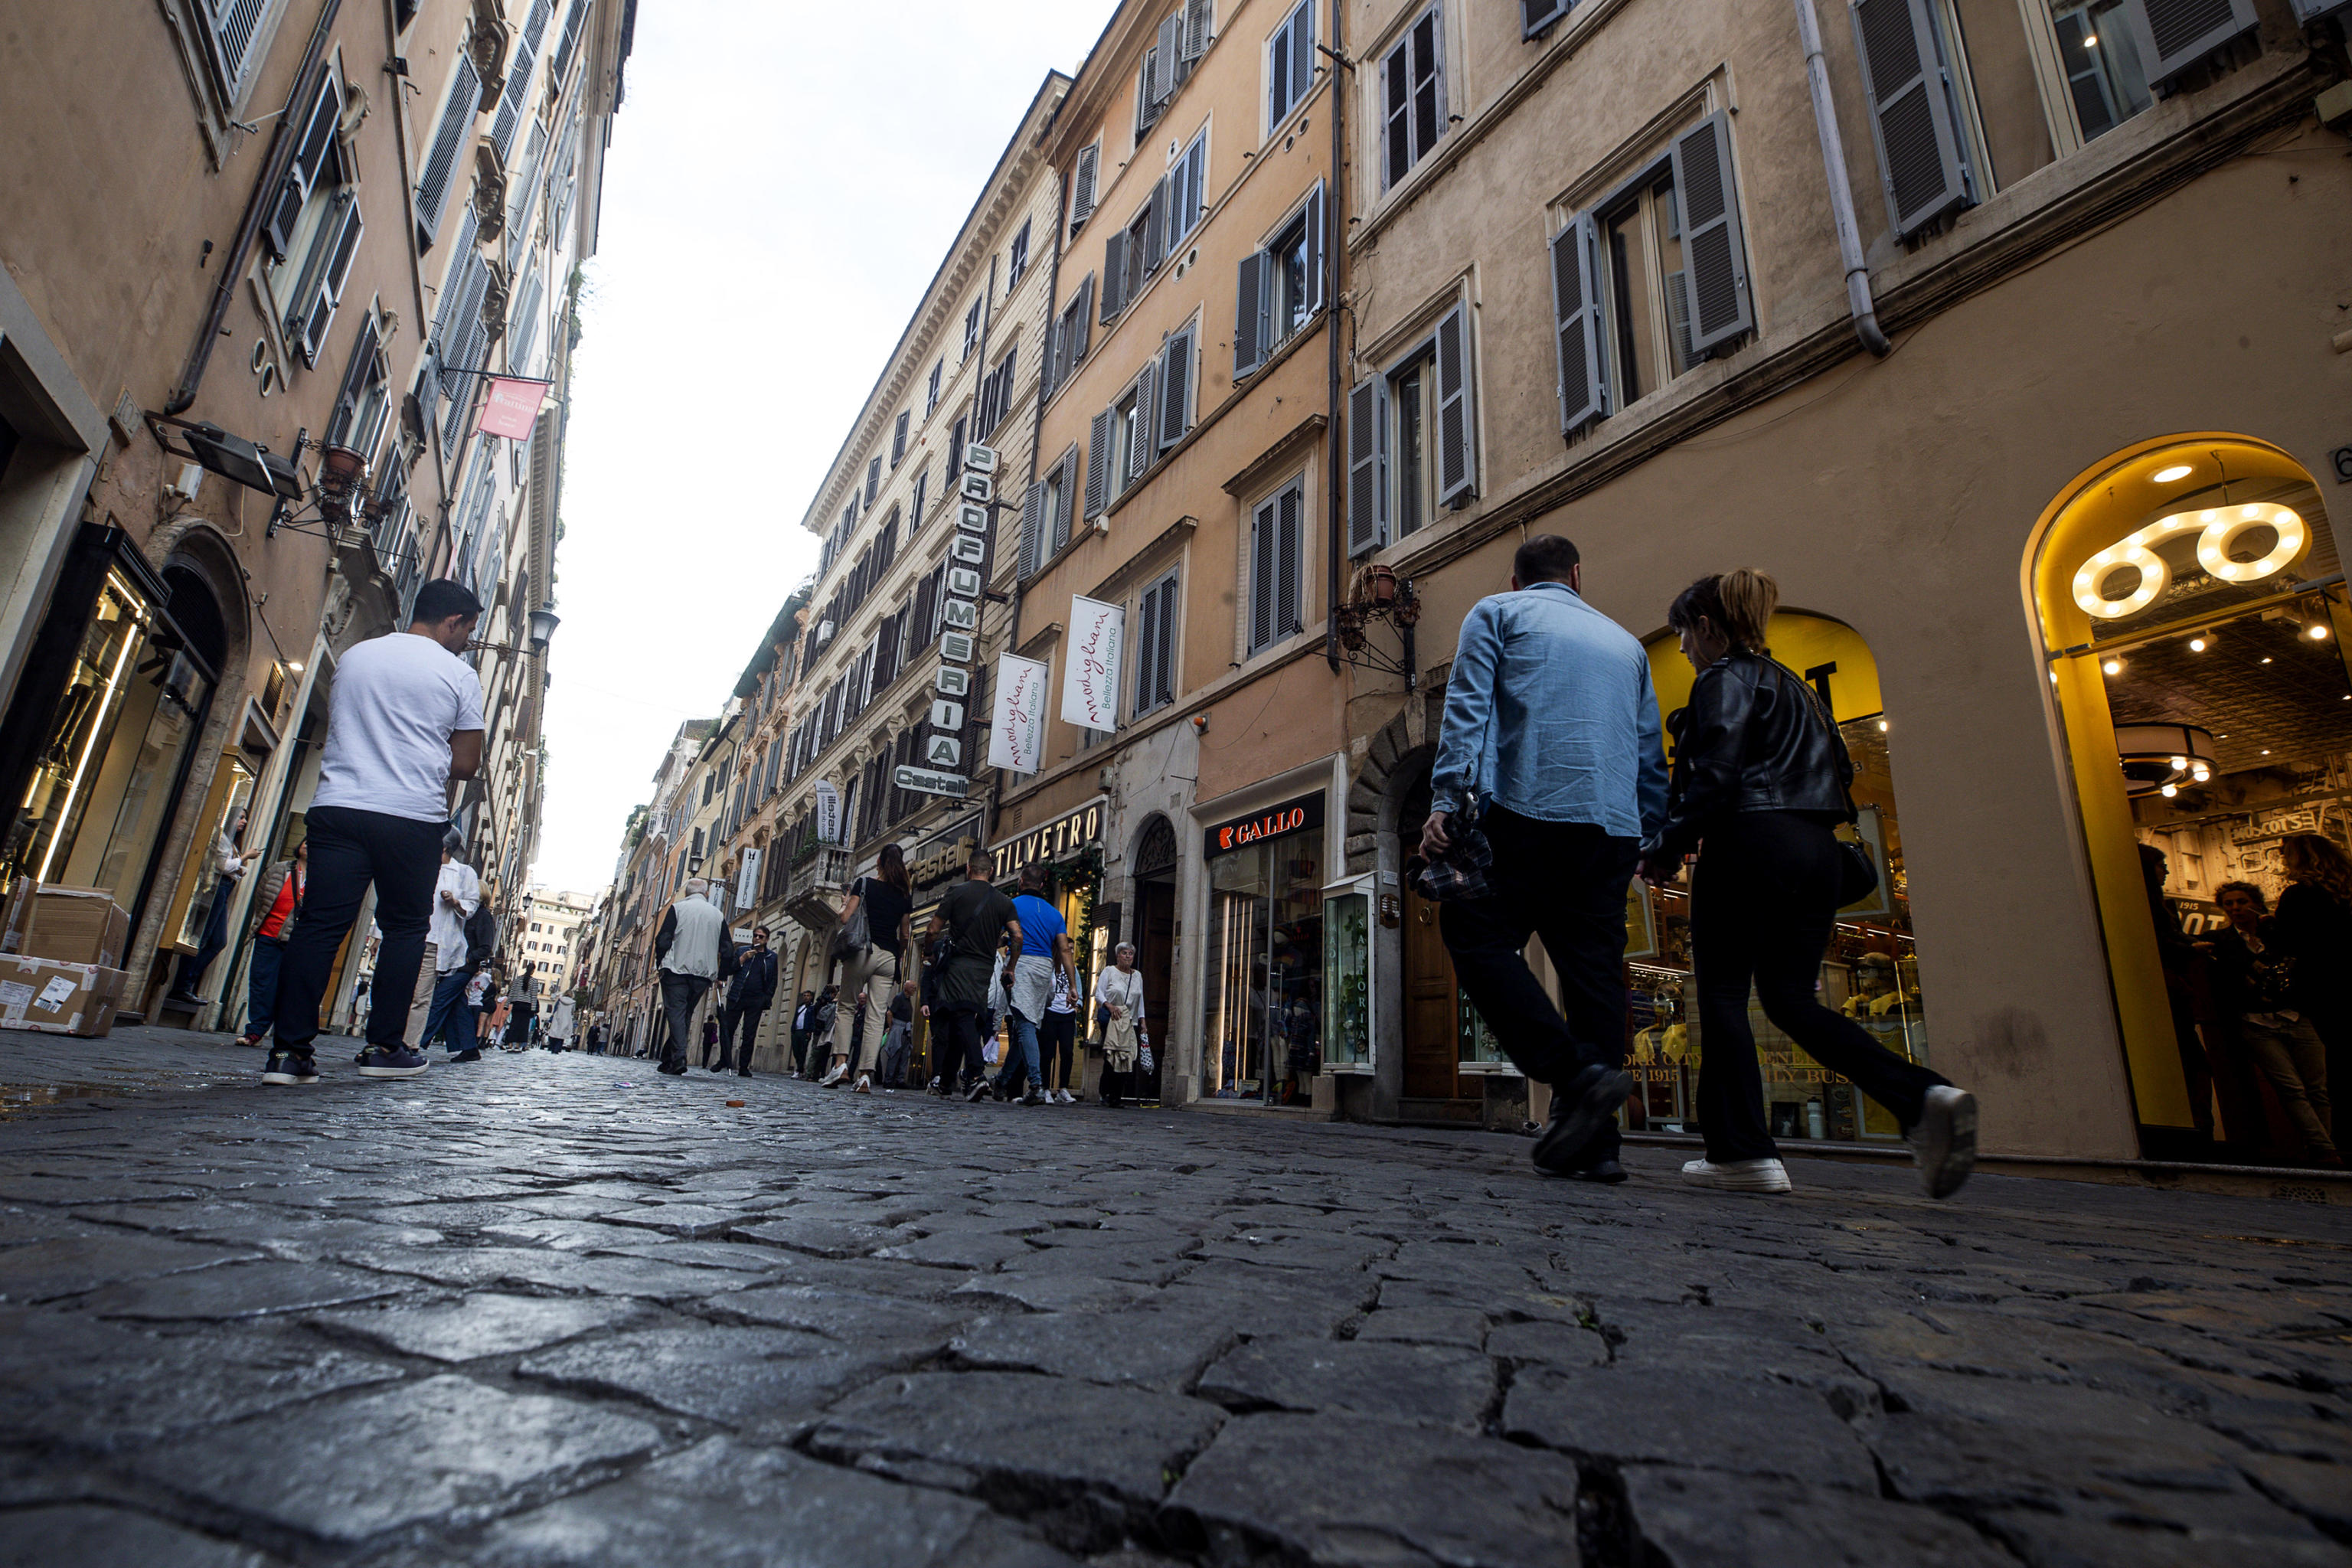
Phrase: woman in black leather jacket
[1760,782]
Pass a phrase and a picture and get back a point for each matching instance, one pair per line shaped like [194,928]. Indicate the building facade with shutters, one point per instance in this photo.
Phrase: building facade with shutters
[225,455]
[1185,497]
[2046,468]
[888,669]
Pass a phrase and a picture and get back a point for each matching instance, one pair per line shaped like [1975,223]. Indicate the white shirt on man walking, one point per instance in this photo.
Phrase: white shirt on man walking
[457,882]
[394,705]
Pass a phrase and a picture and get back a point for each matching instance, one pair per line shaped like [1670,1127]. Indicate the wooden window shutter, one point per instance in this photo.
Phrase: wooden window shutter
[2173,34]
[1155,224]
[1715,257]
[1139,453]
[1198,14]
[1063,502]
[519,79]
[561,63]
[1249,314]
[1082,187]
[899,436]
[229,30]
[1114,274]
[448,142]
[915,516]
[1289,560]
[1262,532]
[1535,16]
[1396,112]
[1576,318]
[1098,463]
[1033,512]
[1175,389]
[328,268]
[1457,462]
[1315,236]
[1368,489]
[1164,663]
[1919,161]
[1163,61]
[1084,320]
[1146,647]
[1302,52]
[311,156]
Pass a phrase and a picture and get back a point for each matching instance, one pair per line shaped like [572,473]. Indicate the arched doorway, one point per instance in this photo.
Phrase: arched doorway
[1155,942]
[2191,609]
[1871,972]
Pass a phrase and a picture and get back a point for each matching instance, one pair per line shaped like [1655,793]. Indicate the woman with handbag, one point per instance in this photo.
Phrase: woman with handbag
[1762,778]
[872,934]
[1118,1024]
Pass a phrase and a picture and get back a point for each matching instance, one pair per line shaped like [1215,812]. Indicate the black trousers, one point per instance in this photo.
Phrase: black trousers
[1763,902]
[730,1017]
[1564,881]
[679,994]
[962,1059]
[1057,1040]
[349,849]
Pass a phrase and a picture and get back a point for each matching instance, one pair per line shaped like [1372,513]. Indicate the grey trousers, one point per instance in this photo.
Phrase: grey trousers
[2294,1057]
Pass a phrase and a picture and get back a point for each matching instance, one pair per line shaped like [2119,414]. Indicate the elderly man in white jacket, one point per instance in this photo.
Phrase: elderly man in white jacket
[693,949]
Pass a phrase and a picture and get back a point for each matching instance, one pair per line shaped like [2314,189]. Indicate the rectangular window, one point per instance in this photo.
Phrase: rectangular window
[449,145]
[971,326]
[931,387]
[1187,189]
[1155,645]
[1173,384]
[1072,332]
[996,395]
[1413,389]
[898,439]
[873,478]
[1537,16]
[2106,81]
[1082,187]
[1280,286]
[1019,262]
[915,512]
[1413,97]
[1277,526]
[1289,65]
[365,401]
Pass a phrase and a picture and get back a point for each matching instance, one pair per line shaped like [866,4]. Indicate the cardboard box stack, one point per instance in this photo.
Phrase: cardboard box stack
[62,950]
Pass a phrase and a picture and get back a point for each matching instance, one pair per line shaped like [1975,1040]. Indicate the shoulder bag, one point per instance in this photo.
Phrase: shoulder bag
[1857,872]
[853,935]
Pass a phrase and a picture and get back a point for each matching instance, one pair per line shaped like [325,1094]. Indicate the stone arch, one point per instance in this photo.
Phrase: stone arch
[1153,848]
[1393,760]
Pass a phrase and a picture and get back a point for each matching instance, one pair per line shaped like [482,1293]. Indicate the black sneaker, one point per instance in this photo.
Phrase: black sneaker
[1606,1173]
[978,1092]
[1580,1108]
[473,1055]
[390,1061]
[289,1066]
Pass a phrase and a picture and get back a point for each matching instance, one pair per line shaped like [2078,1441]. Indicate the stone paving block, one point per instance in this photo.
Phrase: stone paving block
[2043,1541]
[1441,1386]
[557,1271]
[1051,1438]
[562,1234]
[1547,1342]
[2319,1491]
[690,1220]
[447,1449]
[1282,1301]
[738,1376]
[1464,1326]
[849,1317]
[1059,1293]
[1145,1346]
[57,1267]
[718,1504]
[84,1535]
[961,1249]
[479,1326]
[1141,1265]
[238,1290]
[1745,1426]
[1340,1489]
[820,1237]
[1279,1248]
[1701,1519]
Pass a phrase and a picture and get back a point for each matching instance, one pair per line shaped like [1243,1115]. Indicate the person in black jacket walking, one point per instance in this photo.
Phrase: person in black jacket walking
[1760,780]
[747,996]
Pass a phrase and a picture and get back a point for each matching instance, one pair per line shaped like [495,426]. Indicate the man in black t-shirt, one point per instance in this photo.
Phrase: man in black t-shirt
[977,918]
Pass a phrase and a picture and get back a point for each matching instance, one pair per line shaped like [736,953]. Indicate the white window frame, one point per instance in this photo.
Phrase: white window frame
[1266,512]
[1402,41]
[1277,115]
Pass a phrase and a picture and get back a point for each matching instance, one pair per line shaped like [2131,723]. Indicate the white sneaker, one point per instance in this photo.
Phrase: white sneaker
[1737,1175]
[840,1071]
[865,1084]
[1066,1097]
[1944,1143]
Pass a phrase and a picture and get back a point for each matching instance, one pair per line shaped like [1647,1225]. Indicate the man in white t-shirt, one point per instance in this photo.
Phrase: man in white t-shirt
[403,724]
[456,893]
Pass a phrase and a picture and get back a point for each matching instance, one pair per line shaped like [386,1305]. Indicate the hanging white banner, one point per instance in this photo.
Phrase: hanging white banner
[828,811]
[1090,676]
[747,880]
[1016,738]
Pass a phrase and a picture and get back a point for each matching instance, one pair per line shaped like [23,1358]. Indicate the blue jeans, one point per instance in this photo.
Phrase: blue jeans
[261,986]
[1020,1066]
[450,1013]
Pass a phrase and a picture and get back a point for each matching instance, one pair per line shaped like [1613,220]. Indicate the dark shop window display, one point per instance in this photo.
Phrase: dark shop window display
[1262,1012]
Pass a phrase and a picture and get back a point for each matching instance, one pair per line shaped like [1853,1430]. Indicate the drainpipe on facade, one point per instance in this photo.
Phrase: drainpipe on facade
[1334,230]
[248,230]
[1849,237]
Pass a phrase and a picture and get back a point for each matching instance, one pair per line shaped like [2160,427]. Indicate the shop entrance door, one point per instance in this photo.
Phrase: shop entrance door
[1430,1050]
[1155,950]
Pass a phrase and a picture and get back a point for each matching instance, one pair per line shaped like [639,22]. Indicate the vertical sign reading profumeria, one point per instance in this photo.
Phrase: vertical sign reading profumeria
[1016,736]
[942,749]
[1090,679]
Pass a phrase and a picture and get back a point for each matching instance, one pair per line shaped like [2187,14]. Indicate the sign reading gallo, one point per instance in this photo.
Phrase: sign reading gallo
[1290,817]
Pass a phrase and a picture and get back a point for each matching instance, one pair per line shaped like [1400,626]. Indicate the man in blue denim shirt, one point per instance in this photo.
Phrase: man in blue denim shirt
[1552,723]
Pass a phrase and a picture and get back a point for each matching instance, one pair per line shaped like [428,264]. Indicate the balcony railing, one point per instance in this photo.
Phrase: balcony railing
[817,885]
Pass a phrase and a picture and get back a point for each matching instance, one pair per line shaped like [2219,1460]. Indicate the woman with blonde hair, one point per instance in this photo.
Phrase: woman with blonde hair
[1760,781]
[2314,925]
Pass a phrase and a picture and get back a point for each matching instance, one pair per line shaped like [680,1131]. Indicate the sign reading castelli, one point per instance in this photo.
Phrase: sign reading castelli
[1275,822]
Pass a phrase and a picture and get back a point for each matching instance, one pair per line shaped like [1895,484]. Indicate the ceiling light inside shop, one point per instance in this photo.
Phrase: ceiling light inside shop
[1881,726]
[2168,790]
[2316,631]
[2199,643]
[2178,472]
[2201,772]
[2266,659]
[2179,763]
[2115,666]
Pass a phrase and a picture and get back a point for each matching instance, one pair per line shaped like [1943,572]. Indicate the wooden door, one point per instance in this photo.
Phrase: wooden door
[1431,1050]
[1155,952]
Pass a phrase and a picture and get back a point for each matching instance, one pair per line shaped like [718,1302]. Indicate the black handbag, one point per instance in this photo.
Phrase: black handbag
[1461,872]
[1857,870]
[854,936]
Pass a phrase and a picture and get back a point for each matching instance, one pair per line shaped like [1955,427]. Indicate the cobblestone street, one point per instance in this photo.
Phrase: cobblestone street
[558,1310]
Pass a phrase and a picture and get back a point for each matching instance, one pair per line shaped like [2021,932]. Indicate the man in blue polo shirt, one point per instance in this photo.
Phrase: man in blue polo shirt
[1045,948]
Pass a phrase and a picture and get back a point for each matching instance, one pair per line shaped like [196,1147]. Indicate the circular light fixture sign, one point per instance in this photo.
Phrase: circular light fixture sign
[2217,530]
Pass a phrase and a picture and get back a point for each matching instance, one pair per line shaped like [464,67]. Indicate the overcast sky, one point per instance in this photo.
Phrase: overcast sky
[783,180]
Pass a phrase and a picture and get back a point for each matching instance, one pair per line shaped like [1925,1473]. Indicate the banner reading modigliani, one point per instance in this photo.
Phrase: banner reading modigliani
[1016,736]
[1090,679]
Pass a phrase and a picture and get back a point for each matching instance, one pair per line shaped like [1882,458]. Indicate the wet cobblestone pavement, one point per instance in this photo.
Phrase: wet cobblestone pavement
[560,1310]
